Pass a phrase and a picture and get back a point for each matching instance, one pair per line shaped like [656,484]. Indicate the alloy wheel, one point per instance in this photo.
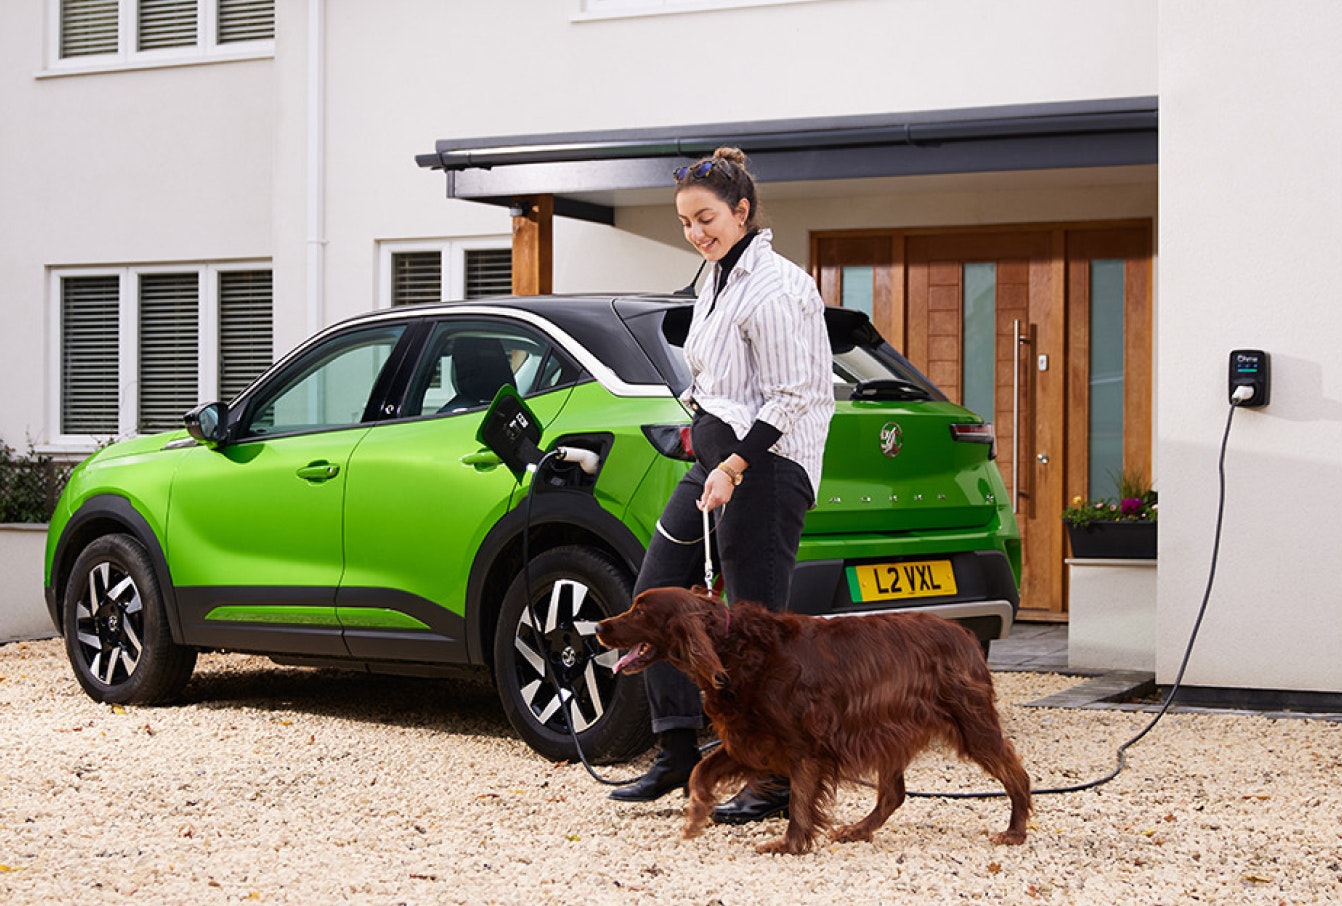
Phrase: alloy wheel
[564,635]
[109,624]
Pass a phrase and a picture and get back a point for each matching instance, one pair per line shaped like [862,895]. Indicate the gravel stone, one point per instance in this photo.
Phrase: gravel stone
[281,785]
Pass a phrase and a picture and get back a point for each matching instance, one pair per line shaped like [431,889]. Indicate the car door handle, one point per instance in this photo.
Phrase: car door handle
[482,459]
[319,471]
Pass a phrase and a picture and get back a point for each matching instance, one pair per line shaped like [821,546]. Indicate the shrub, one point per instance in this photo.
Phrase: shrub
[30,485]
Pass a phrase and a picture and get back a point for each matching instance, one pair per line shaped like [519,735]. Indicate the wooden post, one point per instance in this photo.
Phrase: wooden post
[533,246]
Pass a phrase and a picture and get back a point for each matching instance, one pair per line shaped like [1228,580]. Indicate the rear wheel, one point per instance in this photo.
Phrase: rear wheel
[116,631]
[571,589]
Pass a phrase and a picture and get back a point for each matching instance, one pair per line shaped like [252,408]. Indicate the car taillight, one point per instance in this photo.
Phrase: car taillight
[671,440]
[976,434]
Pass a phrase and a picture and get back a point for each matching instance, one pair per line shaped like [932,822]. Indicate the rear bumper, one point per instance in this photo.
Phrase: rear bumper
[986,600]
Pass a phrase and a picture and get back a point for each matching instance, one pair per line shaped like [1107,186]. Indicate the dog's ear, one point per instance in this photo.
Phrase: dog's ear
[704,665]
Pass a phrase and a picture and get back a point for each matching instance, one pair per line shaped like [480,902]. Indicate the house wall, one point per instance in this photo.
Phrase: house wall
[1251,225]
[404,75]
[152,166]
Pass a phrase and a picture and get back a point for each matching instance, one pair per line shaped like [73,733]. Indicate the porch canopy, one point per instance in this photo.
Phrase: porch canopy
[588,175]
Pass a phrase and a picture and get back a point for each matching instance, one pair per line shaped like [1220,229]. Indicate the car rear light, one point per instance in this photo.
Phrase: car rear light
[671,440]
[976,434]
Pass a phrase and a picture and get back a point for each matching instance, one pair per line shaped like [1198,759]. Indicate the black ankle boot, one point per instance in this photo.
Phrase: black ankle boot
[670,771]
[757,801]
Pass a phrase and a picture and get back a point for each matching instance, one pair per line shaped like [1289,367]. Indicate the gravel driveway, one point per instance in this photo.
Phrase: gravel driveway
[279,785]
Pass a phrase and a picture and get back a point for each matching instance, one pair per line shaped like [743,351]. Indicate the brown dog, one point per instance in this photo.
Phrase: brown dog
[822,701]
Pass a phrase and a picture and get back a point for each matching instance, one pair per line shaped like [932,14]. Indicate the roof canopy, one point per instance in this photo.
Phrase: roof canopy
[585,170]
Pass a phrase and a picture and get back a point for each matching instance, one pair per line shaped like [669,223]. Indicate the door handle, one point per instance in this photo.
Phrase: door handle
[319,471]
[482,459]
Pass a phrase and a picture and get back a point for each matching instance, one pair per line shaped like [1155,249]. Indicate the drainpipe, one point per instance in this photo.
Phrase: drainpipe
[316,166]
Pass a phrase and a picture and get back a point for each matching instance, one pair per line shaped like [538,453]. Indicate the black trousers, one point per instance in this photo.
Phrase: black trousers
[755,538]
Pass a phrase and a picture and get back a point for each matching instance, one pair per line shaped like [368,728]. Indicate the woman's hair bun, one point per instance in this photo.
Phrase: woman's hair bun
[731,155]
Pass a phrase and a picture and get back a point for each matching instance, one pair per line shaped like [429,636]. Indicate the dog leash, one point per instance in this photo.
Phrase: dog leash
[708,557]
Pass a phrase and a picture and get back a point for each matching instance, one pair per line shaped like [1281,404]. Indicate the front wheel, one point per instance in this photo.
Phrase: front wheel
[571,589]
[116,631]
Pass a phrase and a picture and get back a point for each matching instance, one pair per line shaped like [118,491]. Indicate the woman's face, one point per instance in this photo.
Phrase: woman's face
[709,224]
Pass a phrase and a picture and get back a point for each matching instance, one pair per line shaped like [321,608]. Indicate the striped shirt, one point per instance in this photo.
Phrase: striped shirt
[760,351]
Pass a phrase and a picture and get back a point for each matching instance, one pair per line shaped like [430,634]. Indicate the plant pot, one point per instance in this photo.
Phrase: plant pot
[1114,540]
[23,607]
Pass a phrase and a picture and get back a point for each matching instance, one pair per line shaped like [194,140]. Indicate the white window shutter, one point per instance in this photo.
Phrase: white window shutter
[169,348]
[90,312]
[489,272]
[167,23]
[246,331]
[88,27]
[246,20]
[416,277]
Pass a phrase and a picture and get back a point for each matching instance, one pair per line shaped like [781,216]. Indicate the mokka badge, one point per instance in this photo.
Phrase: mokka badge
[892,439]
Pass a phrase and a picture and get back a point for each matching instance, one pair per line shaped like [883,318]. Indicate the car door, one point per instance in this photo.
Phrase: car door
[255,533]
[423,491]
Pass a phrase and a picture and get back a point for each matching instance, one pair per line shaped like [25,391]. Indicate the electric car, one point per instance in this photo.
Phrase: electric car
[344,511]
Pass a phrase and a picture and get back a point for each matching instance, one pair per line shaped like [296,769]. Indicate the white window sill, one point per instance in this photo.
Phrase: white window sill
[633,10]
[113,63]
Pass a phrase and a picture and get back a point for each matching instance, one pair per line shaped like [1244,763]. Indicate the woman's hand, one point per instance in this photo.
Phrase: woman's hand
[719,486]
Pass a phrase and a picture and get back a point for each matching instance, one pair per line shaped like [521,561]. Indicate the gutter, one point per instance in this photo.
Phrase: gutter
[1093,118]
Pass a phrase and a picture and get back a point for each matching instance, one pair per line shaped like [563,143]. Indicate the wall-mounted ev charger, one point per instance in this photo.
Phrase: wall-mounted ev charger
[1250,384]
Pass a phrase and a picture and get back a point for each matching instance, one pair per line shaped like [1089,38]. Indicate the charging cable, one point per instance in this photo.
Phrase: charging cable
[1241,395]
[588,461]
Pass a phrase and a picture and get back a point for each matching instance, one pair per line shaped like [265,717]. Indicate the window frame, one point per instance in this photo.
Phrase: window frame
[207,48]
[128,341]
[453,253]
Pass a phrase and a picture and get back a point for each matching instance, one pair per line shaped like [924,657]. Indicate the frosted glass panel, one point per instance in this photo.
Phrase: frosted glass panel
[980,330]
[1106,376]
[857,282]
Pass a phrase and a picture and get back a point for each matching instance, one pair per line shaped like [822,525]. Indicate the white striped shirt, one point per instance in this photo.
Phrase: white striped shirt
[761,352]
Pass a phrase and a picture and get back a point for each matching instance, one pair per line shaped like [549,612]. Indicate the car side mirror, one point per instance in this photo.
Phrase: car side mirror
[206,423]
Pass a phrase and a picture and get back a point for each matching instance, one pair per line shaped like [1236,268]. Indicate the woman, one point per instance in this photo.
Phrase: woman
[762,396]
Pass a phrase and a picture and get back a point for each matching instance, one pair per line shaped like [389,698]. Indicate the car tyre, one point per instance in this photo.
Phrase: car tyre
[571,589]
[116,630]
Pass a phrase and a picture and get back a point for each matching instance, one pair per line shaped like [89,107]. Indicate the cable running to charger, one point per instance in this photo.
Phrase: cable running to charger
[1240,396]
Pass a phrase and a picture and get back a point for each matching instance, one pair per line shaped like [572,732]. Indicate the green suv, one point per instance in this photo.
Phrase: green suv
[343,512]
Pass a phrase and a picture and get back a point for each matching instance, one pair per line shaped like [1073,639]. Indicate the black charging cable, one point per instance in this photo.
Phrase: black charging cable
[1122,751]
[565,702]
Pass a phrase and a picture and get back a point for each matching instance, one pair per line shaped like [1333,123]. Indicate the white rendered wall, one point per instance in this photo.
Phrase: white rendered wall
[114,168]
[1250,232]
[402,76]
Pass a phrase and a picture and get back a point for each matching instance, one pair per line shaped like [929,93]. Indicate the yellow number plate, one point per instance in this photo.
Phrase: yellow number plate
[893,581]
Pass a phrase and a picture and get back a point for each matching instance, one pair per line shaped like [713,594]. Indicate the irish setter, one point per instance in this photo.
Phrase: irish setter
[822,701]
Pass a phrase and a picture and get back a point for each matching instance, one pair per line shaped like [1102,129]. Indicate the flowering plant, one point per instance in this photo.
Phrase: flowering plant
[1136,502]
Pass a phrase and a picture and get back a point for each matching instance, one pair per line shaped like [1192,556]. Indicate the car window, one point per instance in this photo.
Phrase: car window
[327,388]
[466,362]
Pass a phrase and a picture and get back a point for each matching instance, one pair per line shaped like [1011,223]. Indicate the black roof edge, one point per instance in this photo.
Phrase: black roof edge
[1089,117]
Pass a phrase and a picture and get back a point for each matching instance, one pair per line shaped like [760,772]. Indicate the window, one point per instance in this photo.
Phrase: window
[438,270]
[131,341]
[468,361]
[329,387]
[103,34]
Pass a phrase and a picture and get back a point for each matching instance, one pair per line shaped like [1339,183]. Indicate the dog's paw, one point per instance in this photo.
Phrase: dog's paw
[851,833]
[1009,838]
[691,830]
[781,846]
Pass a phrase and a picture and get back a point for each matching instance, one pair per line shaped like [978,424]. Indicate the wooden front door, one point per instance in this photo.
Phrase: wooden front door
[1046,332]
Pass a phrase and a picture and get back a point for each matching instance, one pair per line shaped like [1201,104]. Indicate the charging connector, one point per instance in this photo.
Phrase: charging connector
[586,459]
[1243,393]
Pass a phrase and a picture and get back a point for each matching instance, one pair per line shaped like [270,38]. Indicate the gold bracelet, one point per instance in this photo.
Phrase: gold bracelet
[731,473]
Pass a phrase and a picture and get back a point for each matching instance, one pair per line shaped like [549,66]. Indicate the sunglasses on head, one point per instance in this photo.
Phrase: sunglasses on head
[698,171]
